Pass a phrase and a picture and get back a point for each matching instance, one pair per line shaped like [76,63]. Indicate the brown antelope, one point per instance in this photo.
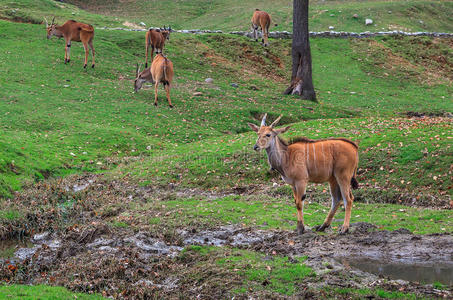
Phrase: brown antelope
[261,19]
[161,71]
[302,160]
[156,39]
[73,31]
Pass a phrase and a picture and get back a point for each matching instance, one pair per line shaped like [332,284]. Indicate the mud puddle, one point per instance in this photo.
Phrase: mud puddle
[415,272]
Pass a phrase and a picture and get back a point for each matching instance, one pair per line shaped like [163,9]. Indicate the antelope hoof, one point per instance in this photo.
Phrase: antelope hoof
[321,228]
[300,228]
[155,104]
[256,40]
[92,66]
[84,66]
[146,65]
[344,230]
[171,106]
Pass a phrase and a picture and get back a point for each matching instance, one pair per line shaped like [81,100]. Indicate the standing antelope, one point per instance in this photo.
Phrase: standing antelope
[156,39]
[302,160]
[73,31]
[161,71]
[261,19]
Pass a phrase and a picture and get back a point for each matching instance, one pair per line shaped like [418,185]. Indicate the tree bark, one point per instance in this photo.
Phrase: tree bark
[301,78]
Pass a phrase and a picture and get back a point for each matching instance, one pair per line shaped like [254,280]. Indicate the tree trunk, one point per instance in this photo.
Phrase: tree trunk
[301,80]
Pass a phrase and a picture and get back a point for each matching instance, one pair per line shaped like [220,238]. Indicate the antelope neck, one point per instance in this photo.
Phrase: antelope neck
[276,154]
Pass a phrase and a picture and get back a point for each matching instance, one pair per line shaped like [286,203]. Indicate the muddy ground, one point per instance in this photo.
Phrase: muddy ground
[78,248]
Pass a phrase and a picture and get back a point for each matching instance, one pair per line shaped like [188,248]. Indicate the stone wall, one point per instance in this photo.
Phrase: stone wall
[288,35]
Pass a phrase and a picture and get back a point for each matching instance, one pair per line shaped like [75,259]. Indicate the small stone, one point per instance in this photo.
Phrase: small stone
[235,85]
[66,85]
[368,21]
[332,15]
[41,236]
[253,87]
[197,94]
[355,16]
[331,27]
[275,184]
[142,24]
[209,80]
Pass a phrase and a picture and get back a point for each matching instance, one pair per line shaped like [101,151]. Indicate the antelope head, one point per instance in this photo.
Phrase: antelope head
[139,80]
[166,32]
[51,29]
[266,134]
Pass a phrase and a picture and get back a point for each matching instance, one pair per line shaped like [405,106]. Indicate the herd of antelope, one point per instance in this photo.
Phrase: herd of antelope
[298,161]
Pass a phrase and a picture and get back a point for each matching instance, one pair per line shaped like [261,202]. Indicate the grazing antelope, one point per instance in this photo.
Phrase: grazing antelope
[161,71]
[73,31]
[156,39]
[261,19]
[302,160]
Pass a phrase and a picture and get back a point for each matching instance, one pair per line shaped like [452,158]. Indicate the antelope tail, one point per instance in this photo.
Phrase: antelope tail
[87,28]
[165,71]
[354,182]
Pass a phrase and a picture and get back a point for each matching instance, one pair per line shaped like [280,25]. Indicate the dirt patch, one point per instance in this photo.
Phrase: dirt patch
[132,25]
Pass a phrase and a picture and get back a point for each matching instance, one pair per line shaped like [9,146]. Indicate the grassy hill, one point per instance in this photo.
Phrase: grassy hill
[235,14]
[61,118]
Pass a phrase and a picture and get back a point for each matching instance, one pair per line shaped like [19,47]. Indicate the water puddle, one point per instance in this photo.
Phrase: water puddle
[416,272]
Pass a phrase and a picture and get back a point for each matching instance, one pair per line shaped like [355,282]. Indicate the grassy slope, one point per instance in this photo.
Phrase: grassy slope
[40,292]
[54,124]
[235,14]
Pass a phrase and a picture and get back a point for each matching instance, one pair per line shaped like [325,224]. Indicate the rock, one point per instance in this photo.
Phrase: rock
[235,85]
[209,80]
[331,27]
[41,236]
[142,24]
[197,94]
[368,21]
[355,16]
[332,15]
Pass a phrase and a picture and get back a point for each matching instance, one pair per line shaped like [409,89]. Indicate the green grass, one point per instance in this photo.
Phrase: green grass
[70,120]
[278,212]
[332,293]
[16,291]
[236,15]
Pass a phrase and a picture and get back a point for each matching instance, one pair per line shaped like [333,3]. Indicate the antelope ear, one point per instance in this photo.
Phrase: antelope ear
[282,130]
[254,127]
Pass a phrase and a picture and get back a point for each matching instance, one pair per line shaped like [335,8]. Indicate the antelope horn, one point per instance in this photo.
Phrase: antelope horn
[53,20]
[275,122]
[136,71]
[263,121]
[47,23]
